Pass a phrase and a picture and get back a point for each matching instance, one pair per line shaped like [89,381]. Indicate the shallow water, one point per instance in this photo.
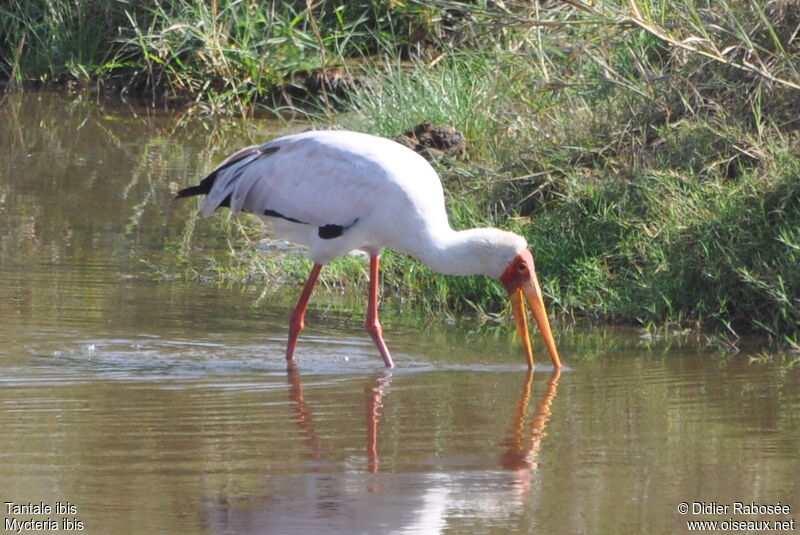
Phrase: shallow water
[156,405]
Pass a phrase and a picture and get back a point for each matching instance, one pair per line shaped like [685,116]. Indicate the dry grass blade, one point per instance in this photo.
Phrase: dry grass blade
[703,47]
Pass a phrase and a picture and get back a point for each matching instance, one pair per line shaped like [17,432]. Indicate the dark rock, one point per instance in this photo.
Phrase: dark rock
[435,143]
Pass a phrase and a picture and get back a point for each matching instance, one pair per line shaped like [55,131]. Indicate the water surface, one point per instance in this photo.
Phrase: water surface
[156,404]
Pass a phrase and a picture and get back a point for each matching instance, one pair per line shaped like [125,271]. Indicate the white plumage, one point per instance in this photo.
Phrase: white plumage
[338,191]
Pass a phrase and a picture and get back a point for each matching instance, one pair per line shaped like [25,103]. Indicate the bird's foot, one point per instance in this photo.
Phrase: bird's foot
[376,332]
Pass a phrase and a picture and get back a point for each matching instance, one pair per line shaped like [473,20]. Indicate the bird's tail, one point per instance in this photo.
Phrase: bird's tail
[205,186]
[199,189]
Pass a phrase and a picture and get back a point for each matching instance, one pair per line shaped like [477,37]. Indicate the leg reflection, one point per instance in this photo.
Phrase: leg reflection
[373,403]
[302,414]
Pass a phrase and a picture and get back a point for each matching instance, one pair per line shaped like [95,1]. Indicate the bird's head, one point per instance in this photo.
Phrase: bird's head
[520,280]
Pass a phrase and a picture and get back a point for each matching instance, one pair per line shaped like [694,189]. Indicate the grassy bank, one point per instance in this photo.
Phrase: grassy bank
[655,172]
[647,149]
[218,56]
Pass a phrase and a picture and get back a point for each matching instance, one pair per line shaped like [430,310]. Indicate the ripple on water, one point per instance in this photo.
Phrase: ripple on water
[73,357]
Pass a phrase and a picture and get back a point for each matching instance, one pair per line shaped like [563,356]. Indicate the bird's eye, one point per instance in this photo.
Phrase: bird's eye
[522,268]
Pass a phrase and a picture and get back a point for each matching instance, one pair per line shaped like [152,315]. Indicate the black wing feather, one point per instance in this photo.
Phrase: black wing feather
[205,185]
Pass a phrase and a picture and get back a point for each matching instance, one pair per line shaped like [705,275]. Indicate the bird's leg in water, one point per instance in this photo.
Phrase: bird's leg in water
[372,324]
[296,322]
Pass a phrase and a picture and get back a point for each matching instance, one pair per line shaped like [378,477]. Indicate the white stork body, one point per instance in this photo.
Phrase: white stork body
[338,191]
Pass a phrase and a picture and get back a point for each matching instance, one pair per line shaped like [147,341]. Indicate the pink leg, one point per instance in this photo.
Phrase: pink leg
[372,324]
[296,322]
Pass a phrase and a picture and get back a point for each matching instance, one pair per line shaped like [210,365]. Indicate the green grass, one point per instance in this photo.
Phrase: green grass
[55,41]
[220,56]
[450,92]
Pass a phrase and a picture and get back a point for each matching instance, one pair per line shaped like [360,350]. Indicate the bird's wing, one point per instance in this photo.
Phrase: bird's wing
[299,179]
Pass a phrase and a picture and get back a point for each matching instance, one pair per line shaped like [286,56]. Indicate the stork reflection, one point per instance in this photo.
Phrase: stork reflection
[523,443]
[362,499]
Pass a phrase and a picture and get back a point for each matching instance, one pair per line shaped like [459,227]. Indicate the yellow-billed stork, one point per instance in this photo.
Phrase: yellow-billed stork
[339,191]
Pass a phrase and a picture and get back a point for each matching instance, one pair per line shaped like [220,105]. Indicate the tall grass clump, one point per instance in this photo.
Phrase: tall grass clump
[211,53]
[220,55]
[44,41]
[403,95]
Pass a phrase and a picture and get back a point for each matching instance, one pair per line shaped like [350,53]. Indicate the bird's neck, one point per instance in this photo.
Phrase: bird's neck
[478,251]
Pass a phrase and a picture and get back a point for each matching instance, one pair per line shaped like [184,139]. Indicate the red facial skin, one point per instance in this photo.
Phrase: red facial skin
[518,272]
